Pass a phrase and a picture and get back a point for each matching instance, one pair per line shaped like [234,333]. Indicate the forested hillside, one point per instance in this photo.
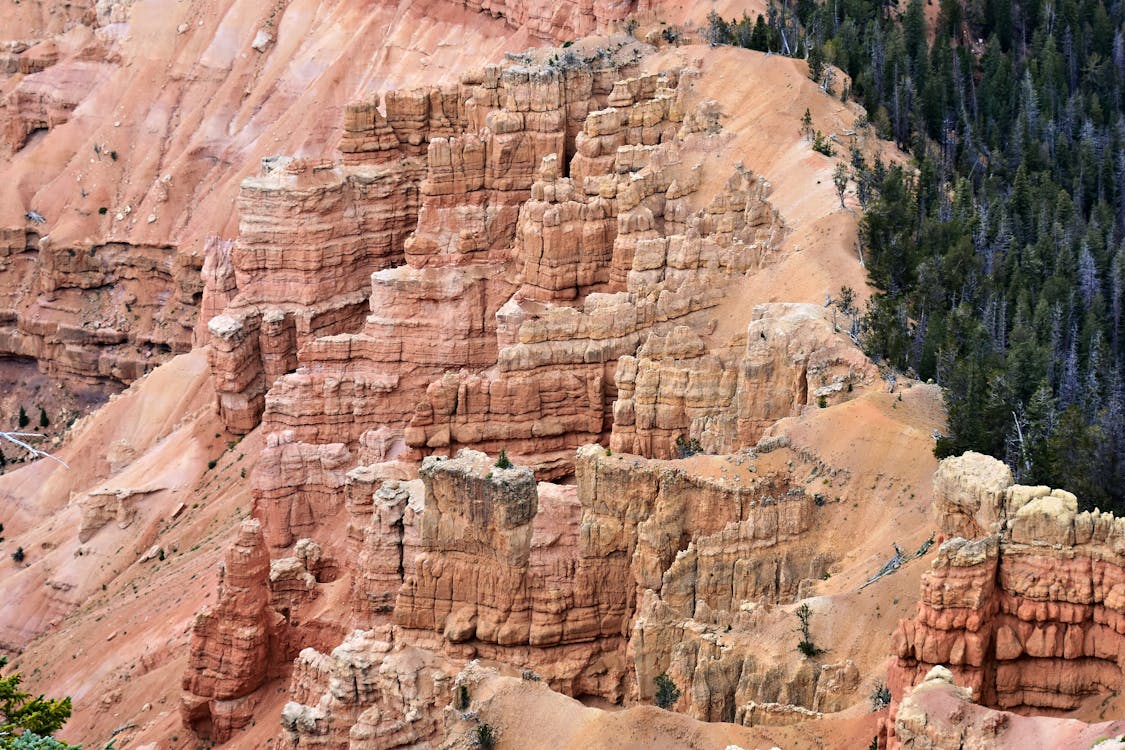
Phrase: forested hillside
[999,261]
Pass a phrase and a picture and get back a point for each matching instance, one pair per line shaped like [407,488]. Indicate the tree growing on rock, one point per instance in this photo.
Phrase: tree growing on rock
[666,691]
[806,645]
[840,180]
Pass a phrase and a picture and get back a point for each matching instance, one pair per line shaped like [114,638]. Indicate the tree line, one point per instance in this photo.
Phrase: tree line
[999,257]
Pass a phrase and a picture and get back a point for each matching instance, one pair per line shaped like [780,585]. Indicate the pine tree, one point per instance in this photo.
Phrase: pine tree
[25,719]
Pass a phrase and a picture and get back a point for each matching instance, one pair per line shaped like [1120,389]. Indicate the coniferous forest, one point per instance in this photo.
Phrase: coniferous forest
[999,255]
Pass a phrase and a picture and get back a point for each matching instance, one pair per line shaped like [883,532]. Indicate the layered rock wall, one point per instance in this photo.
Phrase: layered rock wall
[609,238]
[676,389]
[1031,614]
[97,315]
[595,588]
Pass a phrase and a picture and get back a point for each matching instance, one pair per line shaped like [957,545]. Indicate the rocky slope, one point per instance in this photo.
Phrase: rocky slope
[101,253]
[938,714]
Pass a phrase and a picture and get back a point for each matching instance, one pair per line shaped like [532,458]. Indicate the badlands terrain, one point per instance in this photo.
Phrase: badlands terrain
[433,366]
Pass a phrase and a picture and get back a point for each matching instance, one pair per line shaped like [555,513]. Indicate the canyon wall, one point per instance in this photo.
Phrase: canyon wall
[595,589]
[545,276]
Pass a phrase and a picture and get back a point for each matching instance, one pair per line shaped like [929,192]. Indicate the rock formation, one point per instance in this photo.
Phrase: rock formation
[230,643]
[675,388]
[592,181]
[1029,614]
[123,155]
[939,715]
[596,588]
[367,695]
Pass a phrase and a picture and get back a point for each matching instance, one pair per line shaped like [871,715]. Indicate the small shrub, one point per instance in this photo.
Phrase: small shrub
[102,210]
[666,691]
[24,420]
[211,464]
[502,461]
[822,401]
[808,649]
[530,676]
[43,421]
[113,155]
[18,555]
[463,697]
[485,736]
[687,447]
[671,34]
[880,697]
[631,26]
[822,145]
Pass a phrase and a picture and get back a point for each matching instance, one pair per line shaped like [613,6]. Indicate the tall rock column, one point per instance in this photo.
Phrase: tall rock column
[229,653]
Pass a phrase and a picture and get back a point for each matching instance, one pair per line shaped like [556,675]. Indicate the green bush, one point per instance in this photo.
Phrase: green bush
[485,736]
[822,145]
[666,691]
[686,448]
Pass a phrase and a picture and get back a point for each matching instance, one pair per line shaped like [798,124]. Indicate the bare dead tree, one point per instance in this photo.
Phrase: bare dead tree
[18,438]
